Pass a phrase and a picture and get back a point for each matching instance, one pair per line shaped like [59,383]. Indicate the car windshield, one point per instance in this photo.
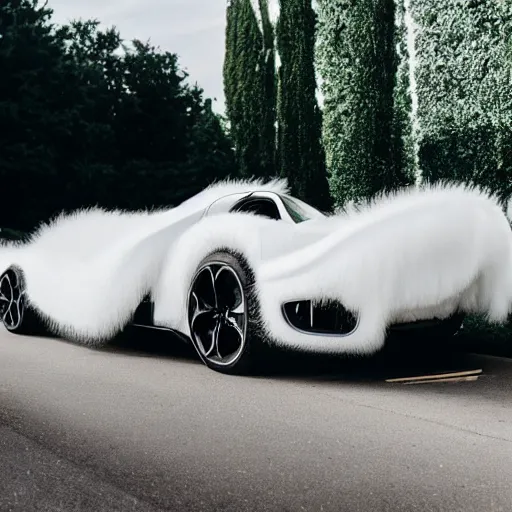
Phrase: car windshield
[298,210]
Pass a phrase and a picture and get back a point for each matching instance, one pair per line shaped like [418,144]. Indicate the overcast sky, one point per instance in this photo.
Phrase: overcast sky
[194,29]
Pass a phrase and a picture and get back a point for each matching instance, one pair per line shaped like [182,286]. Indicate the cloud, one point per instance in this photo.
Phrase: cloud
[194,29]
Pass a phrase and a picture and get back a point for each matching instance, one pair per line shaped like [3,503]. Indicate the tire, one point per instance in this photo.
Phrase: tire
[223,315]
[17,316]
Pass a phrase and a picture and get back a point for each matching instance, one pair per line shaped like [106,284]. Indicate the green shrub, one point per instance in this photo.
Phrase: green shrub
[463,76]
[478,335]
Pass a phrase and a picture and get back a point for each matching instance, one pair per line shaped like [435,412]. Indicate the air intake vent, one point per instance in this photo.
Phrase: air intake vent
[319,318]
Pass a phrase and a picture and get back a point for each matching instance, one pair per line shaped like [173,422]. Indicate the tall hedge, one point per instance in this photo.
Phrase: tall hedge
[357,60]
[301,157]
[465,91]
[249,86]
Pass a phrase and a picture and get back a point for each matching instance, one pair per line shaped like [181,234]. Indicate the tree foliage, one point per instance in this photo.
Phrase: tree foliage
[301,157]
[357,61]
[249,86]
[464,91]
[86,119]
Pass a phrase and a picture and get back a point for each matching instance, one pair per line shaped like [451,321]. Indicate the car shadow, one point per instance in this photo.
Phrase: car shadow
[385,365]
[400,357]
[143,342]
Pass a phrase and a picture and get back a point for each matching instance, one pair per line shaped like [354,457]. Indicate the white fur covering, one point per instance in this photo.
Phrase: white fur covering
[415,254]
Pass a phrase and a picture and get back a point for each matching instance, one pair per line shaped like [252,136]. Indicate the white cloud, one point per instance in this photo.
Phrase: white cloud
[194,29]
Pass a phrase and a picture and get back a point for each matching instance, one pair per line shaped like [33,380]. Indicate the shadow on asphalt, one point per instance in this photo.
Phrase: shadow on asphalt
[393,361]
[401,357]
[142,342]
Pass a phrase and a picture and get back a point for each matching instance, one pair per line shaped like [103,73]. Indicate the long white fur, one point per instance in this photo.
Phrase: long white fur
[86,272]
[414,254]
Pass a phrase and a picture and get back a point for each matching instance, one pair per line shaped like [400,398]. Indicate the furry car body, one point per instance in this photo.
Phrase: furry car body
[414,255]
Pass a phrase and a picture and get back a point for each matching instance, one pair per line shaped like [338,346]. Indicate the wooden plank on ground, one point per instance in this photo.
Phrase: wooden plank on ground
[437,376]
[470,378]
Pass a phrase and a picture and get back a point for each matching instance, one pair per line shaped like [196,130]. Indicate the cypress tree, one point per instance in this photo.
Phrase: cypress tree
[249,86]
[301,157]
[357,61]
[268,99]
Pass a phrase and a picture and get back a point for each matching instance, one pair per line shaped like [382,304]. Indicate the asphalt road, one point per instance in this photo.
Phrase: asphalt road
[127,429]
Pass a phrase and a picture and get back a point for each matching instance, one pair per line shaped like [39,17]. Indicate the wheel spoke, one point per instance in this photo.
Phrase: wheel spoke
[205,288]
[203,330]
[6,290]
[5,300]
[214,341]
[200,308]
[231,322]
[228,292]
[230,340]
[20,304]
[14,312]
[203,317]
[7,319]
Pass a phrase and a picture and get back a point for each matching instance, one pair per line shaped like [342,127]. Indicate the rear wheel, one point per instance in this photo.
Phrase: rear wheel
[223,314]
[16,314]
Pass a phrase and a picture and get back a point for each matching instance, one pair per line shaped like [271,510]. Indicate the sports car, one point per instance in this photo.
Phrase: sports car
[244,266]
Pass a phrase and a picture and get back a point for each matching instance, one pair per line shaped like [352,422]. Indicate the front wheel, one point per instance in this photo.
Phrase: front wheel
[16,315]
[223,314]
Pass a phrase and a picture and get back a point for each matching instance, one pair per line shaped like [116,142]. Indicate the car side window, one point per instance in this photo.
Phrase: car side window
[263,207]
